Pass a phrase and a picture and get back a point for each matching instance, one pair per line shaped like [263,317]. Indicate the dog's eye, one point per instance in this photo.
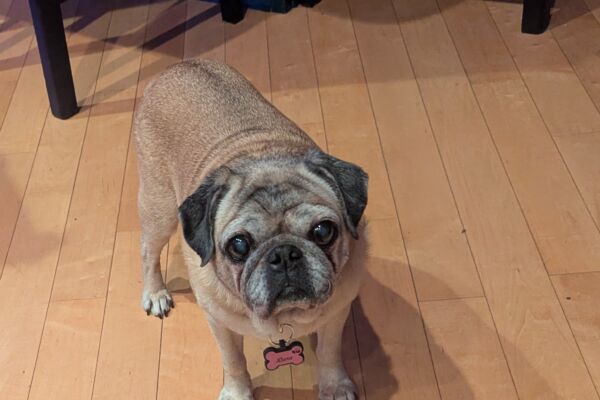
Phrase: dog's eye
[238,247]
[324,233]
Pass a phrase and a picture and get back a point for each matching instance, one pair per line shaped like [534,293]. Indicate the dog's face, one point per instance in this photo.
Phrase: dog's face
[278,231]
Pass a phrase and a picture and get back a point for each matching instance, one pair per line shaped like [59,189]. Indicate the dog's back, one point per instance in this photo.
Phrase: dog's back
[195,106]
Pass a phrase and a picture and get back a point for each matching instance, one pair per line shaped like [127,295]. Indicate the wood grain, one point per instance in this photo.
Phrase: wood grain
[393,351]
[5,6]
[556,89]
[16,39]
[14,174]
[580,297]
[581,154]
[18,139]
[70,333]
[205,32]
[129,351]
[517,288]
[25,118]
[576,31]
[32,257]
[89,240]
[594,6]
[294,86]
[437,248]
[561,224]
[246,50]
[467,355]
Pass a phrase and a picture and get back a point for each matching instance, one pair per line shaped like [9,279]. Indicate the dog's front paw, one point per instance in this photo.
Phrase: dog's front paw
[157,303]
[236,392]
[339,389]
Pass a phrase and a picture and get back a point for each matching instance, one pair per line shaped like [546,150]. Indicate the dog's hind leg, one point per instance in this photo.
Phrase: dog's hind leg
[158,217]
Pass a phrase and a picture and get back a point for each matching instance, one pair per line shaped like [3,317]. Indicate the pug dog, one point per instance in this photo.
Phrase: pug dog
[267,217]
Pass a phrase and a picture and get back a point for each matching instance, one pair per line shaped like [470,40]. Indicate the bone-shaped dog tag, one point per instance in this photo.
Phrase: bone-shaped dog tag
[285,354]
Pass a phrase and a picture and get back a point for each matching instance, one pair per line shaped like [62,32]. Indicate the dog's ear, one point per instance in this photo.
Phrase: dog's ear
[348,181]
[197,213]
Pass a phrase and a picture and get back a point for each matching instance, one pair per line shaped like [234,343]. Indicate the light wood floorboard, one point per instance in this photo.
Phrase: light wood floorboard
[481,236]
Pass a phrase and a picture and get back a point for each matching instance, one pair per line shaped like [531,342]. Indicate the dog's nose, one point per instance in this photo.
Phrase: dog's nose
[284,257]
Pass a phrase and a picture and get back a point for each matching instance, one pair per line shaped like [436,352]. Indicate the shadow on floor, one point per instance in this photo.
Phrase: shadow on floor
[82,13]
[388,351]
[170,20]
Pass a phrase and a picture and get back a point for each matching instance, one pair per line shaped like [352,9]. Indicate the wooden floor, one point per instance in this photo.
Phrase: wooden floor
[483,147]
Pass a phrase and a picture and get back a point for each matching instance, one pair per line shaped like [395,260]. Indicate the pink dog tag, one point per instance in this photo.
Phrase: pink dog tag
[285,354]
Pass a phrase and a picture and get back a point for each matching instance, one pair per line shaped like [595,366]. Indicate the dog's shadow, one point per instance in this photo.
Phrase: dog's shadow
[383,363]
[386,350]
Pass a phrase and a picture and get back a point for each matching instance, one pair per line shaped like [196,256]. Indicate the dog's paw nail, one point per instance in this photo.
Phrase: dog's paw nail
[157,303]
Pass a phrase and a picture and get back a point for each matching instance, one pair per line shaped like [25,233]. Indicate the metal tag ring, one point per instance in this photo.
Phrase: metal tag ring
[281,330]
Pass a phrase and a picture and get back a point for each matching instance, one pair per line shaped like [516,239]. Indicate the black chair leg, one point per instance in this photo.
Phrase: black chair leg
[309,3]
[233,11]
[54,55]
[536,15]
